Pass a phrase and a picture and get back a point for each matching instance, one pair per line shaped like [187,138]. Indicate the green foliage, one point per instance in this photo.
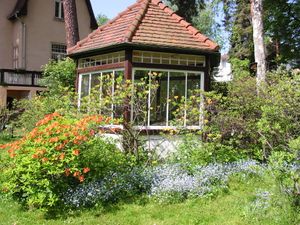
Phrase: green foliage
[194,152]
[104,157]
[238,21]
[59,78]
[55,156]
[255,124]
[282,25]
[228,208]
[102,19]
[58,74]
[4,118]
[207,21]
[240,68]
[286,168]
[36,108]
[187,9]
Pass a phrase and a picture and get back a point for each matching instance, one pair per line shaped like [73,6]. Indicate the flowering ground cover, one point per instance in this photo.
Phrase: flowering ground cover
[251,201]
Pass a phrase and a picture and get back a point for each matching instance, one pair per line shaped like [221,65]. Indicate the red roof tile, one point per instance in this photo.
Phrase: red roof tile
[148,22]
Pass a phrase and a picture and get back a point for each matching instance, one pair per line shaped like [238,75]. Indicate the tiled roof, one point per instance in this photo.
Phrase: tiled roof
[147,22]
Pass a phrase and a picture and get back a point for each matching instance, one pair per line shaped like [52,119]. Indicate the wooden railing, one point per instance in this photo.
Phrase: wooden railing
[20,78]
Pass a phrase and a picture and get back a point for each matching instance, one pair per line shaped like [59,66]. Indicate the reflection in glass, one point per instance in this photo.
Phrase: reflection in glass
[176,94]
[159,98]
[85,83]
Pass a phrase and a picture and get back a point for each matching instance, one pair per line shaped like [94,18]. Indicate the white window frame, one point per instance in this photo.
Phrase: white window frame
[60,55]
[167,126]
[60,9]
[149,126]
[100,72]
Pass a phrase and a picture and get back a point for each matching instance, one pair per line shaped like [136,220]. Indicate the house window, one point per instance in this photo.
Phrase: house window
[173,86]
[59,9]
[58,51]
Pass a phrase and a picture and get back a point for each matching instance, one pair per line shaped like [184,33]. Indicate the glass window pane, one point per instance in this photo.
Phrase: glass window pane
[118,99]
[56,9]
[107,93]
[159,95]
[85,80]
[193,99]
[95,81]
[176,96]
[140,98]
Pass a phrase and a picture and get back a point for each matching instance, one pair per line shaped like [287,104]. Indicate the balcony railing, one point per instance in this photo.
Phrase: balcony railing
[20,78]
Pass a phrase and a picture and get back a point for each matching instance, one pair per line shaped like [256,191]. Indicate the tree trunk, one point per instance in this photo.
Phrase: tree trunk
[71,22]
[258,39]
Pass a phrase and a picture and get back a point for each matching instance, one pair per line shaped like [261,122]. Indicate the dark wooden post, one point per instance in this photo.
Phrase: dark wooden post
[207,74]
[32,78]
[1,77]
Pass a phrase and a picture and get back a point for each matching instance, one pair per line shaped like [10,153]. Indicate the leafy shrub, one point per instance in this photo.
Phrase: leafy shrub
[36,108]
[53,157]
[251,124]
[194,152]
[59,78]
[285,165]
[60,73]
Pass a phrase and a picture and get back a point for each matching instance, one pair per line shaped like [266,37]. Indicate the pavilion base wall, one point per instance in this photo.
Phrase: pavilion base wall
[162,145]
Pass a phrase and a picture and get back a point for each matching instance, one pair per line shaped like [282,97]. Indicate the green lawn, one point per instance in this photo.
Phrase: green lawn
[229,208]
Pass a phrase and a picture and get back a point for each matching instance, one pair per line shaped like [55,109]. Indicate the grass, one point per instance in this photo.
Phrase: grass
[229,208]
[232,207]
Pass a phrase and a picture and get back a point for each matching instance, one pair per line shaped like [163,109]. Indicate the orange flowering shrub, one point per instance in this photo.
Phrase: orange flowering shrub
[50,159]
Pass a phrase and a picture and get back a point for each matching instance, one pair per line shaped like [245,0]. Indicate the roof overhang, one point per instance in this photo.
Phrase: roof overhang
[20,9]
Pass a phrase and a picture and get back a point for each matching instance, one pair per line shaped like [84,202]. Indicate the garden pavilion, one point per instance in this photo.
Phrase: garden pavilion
[148,37]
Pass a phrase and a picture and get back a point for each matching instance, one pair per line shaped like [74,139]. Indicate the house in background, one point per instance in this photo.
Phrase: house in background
[31,33]
[223,73]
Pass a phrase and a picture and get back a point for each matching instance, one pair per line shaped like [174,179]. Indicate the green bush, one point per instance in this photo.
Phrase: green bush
[60,73]
[194,152]
[59,78]
[285,165]
[59,153]
[255,124]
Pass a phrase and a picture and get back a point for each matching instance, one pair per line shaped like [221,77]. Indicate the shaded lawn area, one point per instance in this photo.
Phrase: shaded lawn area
[228,208]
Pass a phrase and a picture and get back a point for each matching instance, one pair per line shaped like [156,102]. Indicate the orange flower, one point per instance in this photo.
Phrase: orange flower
[86,170]
[76,152]
[45,159]
[12,155]
[35,156]
[67,172]
[59,147]
[62,156]
[54,139]
[76,174]
[76,142]
[81,178]
[41,152]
